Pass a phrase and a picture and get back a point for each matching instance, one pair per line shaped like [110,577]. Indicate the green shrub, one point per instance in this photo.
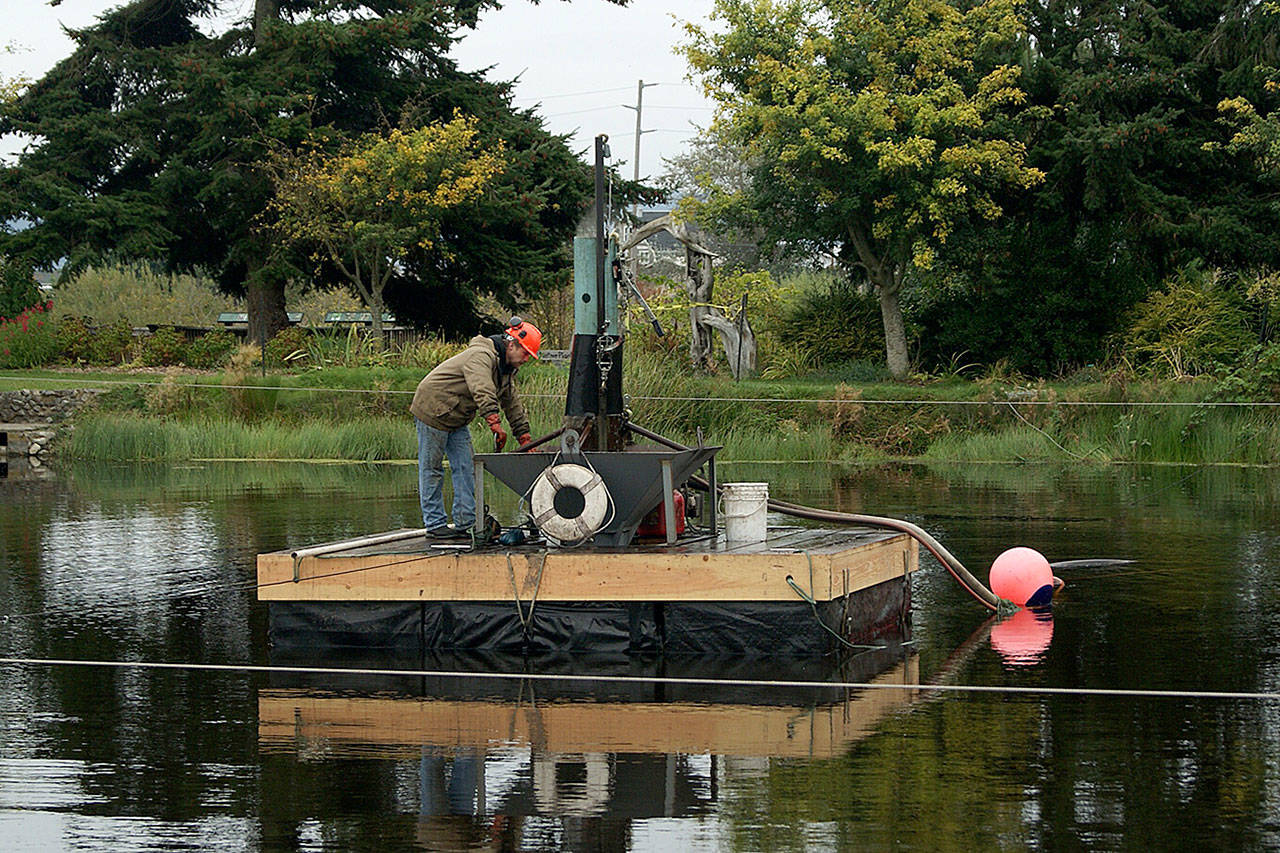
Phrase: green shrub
[1255,377]
[28,339]
[164,347]
[289,346]
[211,350]
[787,362]
[835,324]
[137,293]
[1189,327]
[856,371]
[18,290]
[1262,298]
[349,347]
[111,344]
[75,339]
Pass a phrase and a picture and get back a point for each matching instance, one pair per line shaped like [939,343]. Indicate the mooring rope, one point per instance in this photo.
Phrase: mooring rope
[1117,692]
[525,621]
[813,604]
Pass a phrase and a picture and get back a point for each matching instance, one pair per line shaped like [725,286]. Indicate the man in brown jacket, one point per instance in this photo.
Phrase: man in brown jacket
[478,379]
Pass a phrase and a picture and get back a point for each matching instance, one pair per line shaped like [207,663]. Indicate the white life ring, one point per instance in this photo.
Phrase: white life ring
[571,484]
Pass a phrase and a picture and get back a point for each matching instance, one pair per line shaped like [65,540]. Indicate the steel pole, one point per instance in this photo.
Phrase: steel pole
[601,249]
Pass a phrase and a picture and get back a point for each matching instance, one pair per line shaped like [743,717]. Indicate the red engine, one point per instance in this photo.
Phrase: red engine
[655,523]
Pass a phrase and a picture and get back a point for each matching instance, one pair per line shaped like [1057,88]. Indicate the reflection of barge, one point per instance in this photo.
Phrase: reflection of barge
[598,716]
[560,748]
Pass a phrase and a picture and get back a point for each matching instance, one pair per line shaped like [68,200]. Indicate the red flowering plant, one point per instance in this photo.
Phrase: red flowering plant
[29,339]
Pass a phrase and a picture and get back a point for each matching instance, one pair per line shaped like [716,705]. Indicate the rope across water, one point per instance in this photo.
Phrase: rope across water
[632,679]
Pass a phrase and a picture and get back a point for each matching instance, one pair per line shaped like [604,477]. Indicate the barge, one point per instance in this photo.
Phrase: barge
[802,591]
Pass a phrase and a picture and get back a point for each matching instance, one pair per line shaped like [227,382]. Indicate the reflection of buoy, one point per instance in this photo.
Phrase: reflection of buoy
[569,502]
[1023,638]
[1023,576]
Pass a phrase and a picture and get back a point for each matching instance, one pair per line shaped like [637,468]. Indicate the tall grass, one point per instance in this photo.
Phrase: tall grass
[1170,435]
[314,415]
[1020,444]
[134,437]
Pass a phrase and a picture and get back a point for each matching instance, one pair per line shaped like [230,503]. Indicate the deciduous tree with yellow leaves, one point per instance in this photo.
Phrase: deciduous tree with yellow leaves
[367,206]
[878,127]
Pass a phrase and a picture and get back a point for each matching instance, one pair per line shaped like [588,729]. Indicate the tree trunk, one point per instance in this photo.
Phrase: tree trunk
[265,297]
[700,279]
[263,11]
[884,275]
[375,313]
[738,338]
[264,287]
[895,332]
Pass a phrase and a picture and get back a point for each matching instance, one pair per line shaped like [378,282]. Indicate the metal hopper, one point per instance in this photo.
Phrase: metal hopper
[638,479]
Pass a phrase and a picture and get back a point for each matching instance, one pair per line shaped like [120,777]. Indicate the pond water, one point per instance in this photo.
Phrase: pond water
[149,564]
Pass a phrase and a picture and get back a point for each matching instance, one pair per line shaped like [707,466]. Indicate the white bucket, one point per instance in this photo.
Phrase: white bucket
[745,508]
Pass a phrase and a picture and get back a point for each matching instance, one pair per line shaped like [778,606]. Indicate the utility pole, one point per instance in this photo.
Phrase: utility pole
[635,160]
[635,170]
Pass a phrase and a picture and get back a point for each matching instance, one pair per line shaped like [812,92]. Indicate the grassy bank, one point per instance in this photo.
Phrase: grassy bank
[360,414]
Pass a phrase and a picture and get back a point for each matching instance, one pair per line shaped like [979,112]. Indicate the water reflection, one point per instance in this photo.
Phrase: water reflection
[1023,638]
[552,748]
[154,563]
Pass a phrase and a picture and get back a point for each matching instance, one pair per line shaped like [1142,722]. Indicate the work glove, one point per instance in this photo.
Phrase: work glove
[499,436]
[524,438]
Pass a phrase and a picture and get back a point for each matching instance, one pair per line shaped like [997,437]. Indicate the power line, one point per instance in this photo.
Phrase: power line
[691,131]
[913,401]
[537,98]
[572,94]
[579,112]
[1122,693]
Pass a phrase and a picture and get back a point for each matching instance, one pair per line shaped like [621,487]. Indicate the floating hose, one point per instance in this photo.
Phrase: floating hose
[975,587]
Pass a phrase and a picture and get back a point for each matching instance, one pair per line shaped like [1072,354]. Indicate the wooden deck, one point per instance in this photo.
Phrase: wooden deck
[829,564]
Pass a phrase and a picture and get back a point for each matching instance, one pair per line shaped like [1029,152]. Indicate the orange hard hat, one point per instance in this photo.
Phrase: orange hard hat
[527,334]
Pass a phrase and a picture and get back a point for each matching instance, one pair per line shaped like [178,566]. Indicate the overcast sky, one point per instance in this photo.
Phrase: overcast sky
[581,61]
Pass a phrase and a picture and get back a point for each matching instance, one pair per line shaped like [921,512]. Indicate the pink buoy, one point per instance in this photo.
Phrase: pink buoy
[1023,576]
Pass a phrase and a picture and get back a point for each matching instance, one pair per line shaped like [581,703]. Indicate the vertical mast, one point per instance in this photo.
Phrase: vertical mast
[601,430]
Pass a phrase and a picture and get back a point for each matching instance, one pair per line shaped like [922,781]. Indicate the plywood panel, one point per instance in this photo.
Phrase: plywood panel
[836,564]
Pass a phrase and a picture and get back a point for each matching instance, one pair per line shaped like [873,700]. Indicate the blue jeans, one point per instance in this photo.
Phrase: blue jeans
[433,446]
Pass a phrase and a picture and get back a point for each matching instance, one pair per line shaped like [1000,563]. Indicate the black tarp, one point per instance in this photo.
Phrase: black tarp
[737,628]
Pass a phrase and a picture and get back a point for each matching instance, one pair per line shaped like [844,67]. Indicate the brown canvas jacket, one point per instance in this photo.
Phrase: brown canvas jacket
[469,382]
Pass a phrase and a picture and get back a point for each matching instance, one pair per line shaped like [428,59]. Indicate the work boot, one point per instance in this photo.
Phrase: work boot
[448,531]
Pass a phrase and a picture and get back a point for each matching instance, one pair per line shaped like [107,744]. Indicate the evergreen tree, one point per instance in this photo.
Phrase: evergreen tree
[146,143]
[18,290]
